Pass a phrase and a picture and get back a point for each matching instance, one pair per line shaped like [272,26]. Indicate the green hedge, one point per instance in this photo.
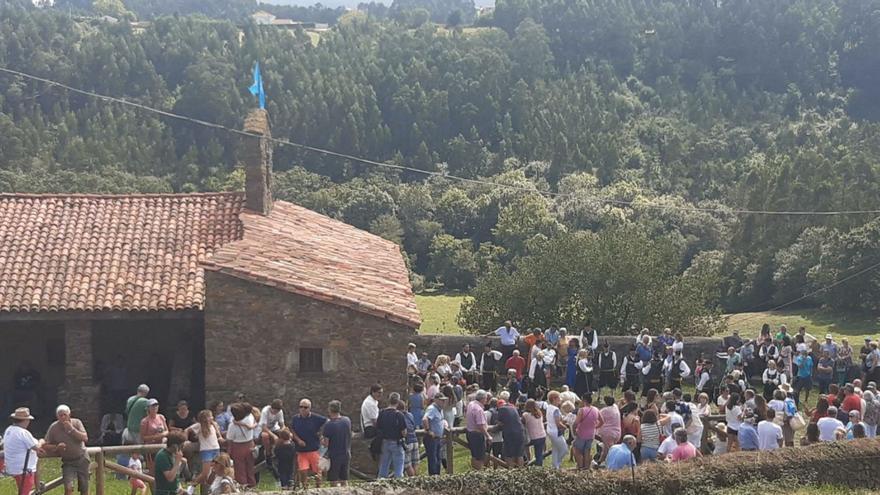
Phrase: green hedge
[850,464]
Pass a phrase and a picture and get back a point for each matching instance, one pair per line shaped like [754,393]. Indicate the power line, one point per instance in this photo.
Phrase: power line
[345,156]
[817,291]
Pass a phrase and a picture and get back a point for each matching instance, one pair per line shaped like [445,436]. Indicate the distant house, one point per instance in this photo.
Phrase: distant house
[262,17]
[197,295]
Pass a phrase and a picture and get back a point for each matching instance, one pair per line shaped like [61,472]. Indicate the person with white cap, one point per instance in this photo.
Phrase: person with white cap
[21,449]
[154,427]
[412,358]
[67,438]
[830,346]
[432,422]
[135,412]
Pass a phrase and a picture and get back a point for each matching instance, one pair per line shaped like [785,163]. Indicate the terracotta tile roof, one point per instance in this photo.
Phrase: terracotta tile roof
[298,250]
[147,253]
[104,253]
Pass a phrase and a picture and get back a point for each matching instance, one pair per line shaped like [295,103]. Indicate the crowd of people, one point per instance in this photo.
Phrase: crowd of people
[223,444]
[548,393]
[544,396]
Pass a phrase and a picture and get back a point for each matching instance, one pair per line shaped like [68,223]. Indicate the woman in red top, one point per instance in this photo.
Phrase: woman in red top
[851,401]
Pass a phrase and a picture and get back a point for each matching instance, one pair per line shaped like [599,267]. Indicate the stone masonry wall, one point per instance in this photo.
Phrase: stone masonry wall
[79,390]
[253,334]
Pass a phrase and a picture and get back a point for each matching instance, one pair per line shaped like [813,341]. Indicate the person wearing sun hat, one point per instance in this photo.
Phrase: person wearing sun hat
[21,449]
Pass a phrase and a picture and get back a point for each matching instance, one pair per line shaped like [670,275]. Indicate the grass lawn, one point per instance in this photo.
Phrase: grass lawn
[818,322]
[440,313]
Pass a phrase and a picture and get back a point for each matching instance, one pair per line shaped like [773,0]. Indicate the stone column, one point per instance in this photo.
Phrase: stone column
[80,390]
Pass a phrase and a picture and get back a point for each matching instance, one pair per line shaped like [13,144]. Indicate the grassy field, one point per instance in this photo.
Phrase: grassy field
[818,322]
[439,313]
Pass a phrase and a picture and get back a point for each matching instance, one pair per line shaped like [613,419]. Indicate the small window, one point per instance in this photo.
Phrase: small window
[311,360]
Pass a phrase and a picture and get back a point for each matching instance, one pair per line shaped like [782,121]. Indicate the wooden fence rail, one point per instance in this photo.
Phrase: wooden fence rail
[102,456]
[101,462]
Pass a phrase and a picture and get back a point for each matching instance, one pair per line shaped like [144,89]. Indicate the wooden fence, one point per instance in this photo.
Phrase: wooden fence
[101,462]
[101,457]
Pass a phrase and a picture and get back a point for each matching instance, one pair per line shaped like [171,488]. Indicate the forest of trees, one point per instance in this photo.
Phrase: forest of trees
[589,123]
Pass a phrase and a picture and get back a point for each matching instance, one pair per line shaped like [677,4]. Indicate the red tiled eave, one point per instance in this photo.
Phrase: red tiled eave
[304,252]
[85,252]
[147,252]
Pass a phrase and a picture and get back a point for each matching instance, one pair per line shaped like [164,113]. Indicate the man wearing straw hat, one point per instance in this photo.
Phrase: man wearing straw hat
[21,449]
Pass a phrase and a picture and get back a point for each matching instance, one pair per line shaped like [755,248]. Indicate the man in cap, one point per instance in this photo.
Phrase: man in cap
[433,425]
[67,438]
[135,412]
[829,346]
[20,450]
[621,455]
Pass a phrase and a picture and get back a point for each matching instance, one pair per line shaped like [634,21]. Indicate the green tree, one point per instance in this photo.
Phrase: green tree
[618,277]
[453,262]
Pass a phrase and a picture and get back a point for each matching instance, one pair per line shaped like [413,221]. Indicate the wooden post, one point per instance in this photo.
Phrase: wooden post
[450,451]
[99,473]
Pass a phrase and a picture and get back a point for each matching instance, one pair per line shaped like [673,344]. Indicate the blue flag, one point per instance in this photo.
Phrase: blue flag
[257,87]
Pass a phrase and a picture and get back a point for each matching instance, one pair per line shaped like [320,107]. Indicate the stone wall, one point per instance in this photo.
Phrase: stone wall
[253,337]
[79,390]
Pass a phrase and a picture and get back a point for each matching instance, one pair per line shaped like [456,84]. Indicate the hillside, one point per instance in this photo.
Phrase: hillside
[684,126]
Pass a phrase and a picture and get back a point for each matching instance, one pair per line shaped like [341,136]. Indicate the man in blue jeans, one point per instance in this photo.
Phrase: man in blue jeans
[804,376]
[391,428]
[432,421]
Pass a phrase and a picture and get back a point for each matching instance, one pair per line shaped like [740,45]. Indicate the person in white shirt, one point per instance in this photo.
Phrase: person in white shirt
[670,419]
[112,425]
[675,369]
[705,378]
[828,425]
[556,428]
[467,363]
[678,345]
[695,428]
[769,433]
[733,415]
[21,449]
[589,338]
[412,358]
[138,487]
[271,422]
[370,411]
[509,335]
[668,445]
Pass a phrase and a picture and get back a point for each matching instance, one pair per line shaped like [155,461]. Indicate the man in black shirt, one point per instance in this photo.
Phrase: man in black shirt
[391,428]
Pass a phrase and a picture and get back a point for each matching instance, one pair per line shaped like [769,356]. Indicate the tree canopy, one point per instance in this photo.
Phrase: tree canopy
[569,119]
